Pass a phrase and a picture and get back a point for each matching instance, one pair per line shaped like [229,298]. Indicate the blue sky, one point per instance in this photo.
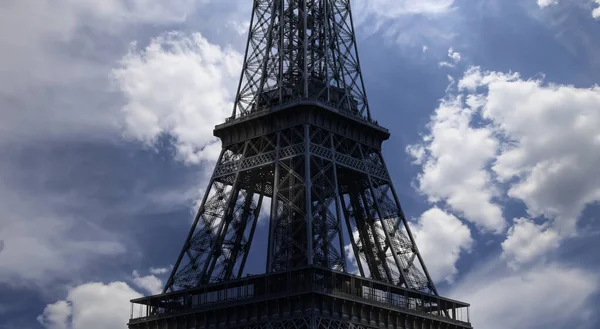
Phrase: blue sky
[107,111]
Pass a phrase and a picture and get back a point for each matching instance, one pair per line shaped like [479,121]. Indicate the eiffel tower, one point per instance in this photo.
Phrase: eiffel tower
[301,145]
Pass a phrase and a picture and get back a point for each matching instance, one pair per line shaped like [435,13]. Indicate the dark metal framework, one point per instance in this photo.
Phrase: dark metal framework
[301,136]
[347,182]
[301,49]
[304,298]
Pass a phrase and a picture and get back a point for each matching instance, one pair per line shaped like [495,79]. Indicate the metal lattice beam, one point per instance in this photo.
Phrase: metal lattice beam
[347,185]
[301,49]
[318,180]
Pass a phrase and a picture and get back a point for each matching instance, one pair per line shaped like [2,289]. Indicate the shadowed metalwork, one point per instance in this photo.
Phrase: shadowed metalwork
[302,137]
[301,49]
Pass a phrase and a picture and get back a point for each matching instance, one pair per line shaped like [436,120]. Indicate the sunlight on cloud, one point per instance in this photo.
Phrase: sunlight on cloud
[182,86]
[535,142]
[526,241]
[455,157]
[395,8]
[454,56]
[150,283]
[441,239]
[91,306]
[406,22]
[596,11]
[550,147]
[546,3]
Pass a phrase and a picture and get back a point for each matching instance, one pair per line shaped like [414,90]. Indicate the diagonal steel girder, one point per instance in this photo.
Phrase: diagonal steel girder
[318,183]
[301,49]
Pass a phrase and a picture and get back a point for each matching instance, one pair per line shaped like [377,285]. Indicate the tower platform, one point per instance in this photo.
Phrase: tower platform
[309,297]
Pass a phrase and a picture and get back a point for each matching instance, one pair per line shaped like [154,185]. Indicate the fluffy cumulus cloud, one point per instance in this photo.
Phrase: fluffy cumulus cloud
[454,157]
[57,106]
[441,238]
[150,283]
[90,306]
[527,240]
[504,136]
[551,144]
[596,11]
[178,86]
[554,296]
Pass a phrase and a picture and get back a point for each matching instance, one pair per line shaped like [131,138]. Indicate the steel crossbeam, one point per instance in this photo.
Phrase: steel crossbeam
[349,186]
[301,49]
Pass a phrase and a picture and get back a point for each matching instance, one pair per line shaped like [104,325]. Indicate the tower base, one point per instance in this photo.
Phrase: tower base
[304,298]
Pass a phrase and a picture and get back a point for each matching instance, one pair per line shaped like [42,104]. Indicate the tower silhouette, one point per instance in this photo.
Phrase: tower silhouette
[301,135]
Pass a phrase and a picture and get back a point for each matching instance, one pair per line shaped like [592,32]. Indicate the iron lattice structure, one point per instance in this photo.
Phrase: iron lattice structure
[301,49]
[302,137]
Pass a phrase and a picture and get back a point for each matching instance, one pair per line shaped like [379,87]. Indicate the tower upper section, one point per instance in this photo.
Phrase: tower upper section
[301,50]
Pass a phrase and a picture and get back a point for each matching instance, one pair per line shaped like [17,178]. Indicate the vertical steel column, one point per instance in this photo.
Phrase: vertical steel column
[327,37]
[338,212]
[252,229]
[307,189]
[305,49]
[351,236]
[281,53]
[272,220]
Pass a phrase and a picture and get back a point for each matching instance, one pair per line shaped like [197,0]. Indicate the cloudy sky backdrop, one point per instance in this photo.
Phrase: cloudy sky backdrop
[106,116]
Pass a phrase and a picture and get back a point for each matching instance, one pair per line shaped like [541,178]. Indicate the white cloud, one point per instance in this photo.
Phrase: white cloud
[56,316]
[526,241]
[149,283]
[407,22]
[546,3]
[539,297]
[539,141]
[91,306]
[441,238]
[54,81]
[159,271]
[551,145]
[395,8]
[454,56]
[181,86]
[454,158]
[596,11]
[37,32]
